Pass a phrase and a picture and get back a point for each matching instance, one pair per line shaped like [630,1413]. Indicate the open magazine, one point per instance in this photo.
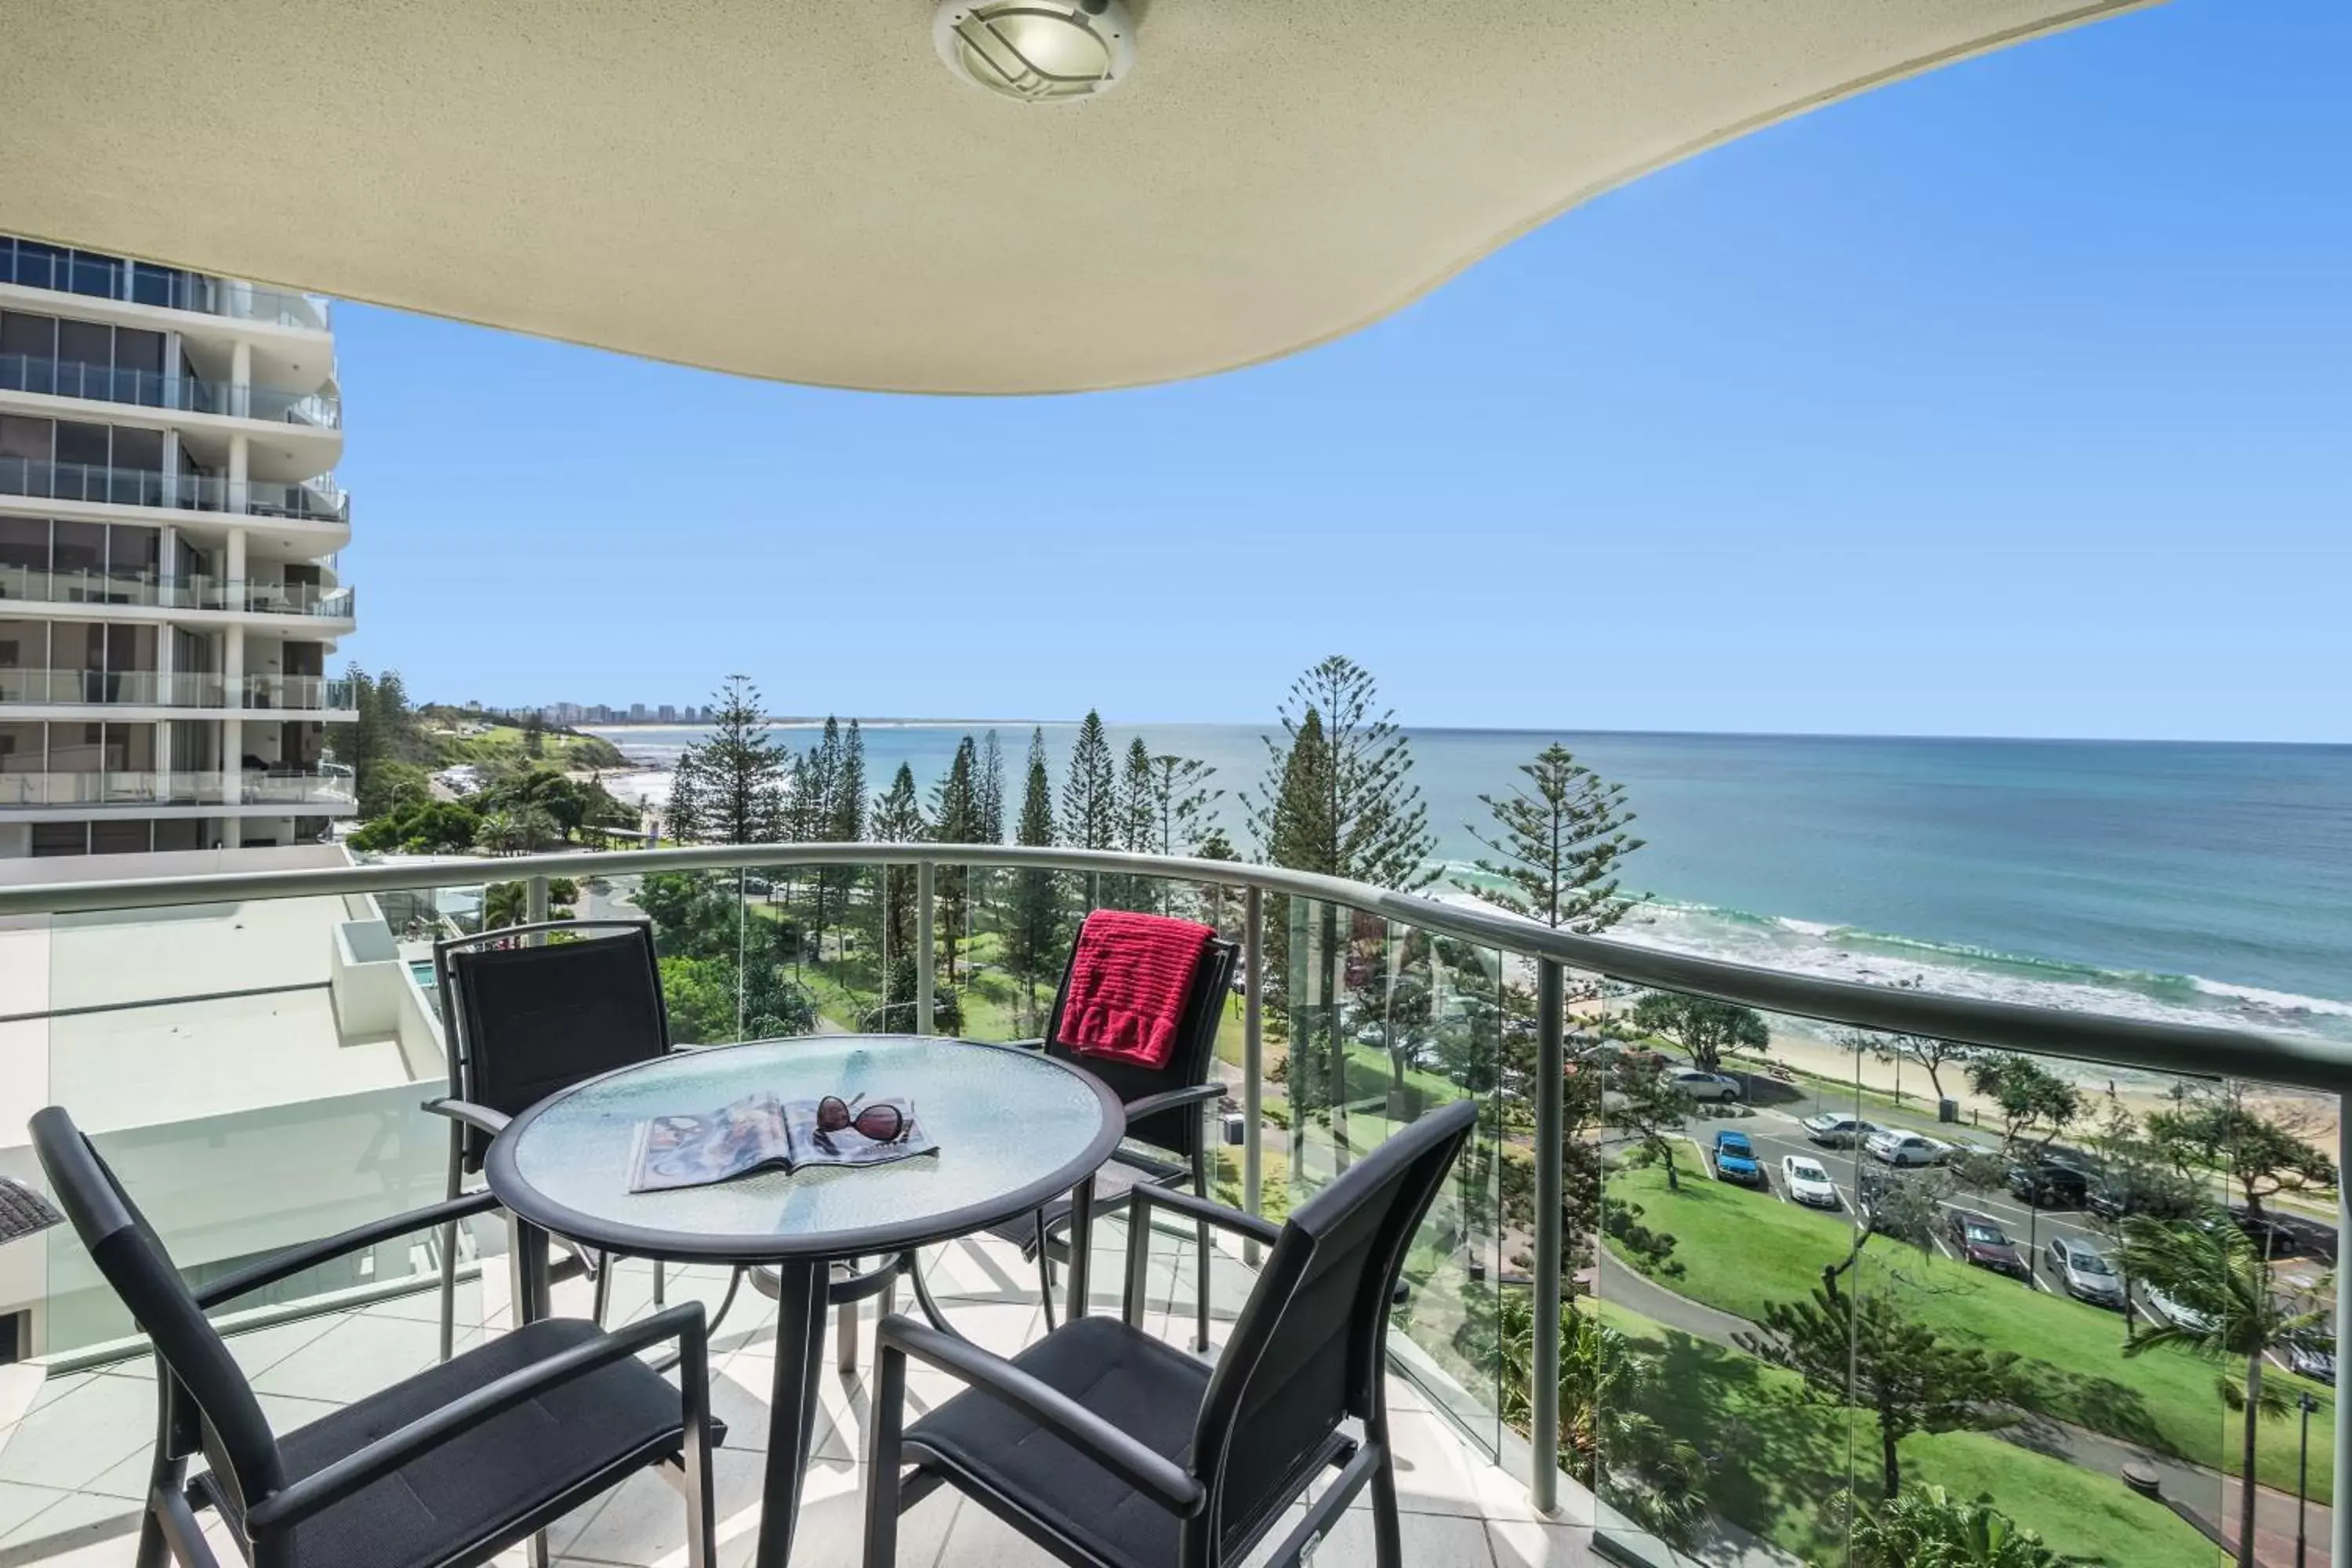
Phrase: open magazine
[760,1131]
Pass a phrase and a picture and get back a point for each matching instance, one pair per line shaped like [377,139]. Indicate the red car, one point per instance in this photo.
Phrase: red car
[1979,1241]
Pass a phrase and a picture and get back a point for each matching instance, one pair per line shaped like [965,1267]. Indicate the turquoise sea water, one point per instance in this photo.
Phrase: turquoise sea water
[2199,882]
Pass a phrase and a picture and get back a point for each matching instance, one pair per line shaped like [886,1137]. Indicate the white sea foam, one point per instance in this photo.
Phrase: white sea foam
[1843,953]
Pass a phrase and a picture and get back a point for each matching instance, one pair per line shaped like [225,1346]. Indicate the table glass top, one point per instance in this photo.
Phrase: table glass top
[1004,1120]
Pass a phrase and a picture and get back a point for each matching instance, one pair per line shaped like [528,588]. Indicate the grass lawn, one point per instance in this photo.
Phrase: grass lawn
[1775,1460]
[503,746]
[1740,1250]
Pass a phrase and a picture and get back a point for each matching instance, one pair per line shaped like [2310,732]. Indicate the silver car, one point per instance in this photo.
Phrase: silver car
[2084,1272]
[1704,1085]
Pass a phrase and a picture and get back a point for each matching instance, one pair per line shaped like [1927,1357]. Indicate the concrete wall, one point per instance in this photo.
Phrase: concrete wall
[364,976]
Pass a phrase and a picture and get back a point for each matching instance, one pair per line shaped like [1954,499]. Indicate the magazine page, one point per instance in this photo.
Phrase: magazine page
[694,1151]
[842,1138]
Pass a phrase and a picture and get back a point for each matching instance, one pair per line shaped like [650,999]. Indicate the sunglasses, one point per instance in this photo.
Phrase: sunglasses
[882,1124]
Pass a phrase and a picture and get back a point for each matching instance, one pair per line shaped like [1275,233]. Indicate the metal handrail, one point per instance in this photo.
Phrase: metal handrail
[2195,1051]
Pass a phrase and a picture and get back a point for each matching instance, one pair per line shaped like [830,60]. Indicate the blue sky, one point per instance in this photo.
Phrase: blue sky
[2015,400]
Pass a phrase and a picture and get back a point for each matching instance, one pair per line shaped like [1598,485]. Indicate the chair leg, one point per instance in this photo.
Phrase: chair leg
[601,1288]
[164,1481]
[845,1329]
[1387,1542]
[1044,1271]
[661,1284]
[701,1510]
[1201,1256]
[449,1248]
[882,1458]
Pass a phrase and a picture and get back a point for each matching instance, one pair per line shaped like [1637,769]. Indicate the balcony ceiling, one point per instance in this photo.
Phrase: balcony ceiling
[803,192]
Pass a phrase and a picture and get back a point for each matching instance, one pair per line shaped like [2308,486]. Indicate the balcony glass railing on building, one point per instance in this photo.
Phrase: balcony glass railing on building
[1720,1360]
[32,264]
[309,501]
[151,389]
[154,688]
[323,785]
[96,587]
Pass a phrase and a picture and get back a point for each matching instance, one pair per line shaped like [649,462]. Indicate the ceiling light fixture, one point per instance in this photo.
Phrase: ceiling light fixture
[1038,51]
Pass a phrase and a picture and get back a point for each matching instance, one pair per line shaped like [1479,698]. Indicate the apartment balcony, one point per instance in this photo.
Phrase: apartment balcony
[31,264]
[312,501]
[1358,1010]
[182,394]
[198,689]
[145,590]
[326,788]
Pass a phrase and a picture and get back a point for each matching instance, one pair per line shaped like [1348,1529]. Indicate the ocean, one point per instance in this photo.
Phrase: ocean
[2199,883]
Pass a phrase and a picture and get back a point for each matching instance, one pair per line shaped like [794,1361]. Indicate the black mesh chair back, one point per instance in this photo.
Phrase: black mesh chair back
[207,1401]
[1179,1131]
[1306,1353]
[525,1020]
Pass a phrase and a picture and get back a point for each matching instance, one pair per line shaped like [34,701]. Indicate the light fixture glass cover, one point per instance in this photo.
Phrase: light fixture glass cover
[1036,51]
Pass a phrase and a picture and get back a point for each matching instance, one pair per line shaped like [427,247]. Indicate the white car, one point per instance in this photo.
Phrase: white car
[2173,1313]
[1806,1183]
[1832,1130]
[1704,1085]
[1897,1147]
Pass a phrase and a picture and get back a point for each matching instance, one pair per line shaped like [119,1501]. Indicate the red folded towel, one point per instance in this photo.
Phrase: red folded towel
[1128,983]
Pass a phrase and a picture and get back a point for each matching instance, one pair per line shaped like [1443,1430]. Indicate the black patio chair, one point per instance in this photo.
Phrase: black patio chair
[1110,1448]
[443,1470]
[1164,1114]
[525,1018]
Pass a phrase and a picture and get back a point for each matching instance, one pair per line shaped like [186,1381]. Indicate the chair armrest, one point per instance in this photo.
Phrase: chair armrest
[310,1253]
[480,1118]
[1036,1045]
[1173,1099]
[1143,1198]
[993,1377]
[324,1488]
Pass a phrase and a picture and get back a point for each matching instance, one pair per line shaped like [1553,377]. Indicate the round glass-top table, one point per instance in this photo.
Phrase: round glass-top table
[1015,1129]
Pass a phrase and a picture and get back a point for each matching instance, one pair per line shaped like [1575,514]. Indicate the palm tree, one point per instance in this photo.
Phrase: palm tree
[2230,1316]
[1606,1438]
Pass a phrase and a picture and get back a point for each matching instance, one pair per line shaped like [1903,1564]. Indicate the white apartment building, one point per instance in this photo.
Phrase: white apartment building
[169,598]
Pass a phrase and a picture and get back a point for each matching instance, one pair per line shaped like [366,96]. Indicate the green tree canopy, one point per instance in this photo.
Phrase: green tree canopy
[1927,1527]
[730,788]
[2029,1097]
[1032,918]
[2233,1317]
[1561,842]
[1861,1349]
[1705,1029]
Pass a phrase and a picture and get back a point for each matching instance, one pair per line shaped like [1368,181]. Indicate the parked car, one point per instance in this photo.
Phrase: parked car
[2270,1237]
[1735,1160]
[2084,1273]
[1705,1086]
[2313,1357]
[2171,1311]
[2049,1183]
[1834,1131]
[1804,1181]
[1982,1243]
[1897,1147]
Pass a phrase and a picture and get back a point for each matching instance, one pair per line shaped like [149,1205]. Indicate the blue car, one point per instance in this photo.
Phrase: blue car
[1735,1160]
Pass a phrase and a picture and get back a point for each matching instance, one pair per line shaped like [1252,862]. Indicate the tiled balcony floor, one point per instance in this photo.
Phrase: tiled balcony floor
[74,1448]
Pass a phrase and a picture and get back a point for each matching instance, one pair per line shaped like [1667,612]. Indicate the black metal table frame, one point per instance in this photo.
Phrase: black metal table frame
[803,1275]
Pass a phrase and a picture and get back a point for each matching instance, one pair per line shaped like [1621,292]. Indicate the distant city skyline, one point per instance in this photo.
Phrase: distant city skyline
[2006,400]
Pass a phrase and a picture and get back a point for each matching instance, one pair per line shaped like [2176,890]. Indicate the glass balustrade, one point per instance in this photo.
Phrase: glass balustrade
[1804,1267]
[316,500]
[151,389]
[35,266]
[87,587]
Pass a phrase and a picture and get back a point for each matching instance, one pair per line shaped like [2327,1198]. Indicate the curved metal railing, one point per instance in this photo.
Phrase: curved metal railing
[2142,1045]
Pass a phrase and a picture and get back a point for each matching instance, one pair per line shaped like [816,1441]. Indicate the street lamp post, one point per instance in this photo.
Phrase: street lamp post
[2302,1472]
